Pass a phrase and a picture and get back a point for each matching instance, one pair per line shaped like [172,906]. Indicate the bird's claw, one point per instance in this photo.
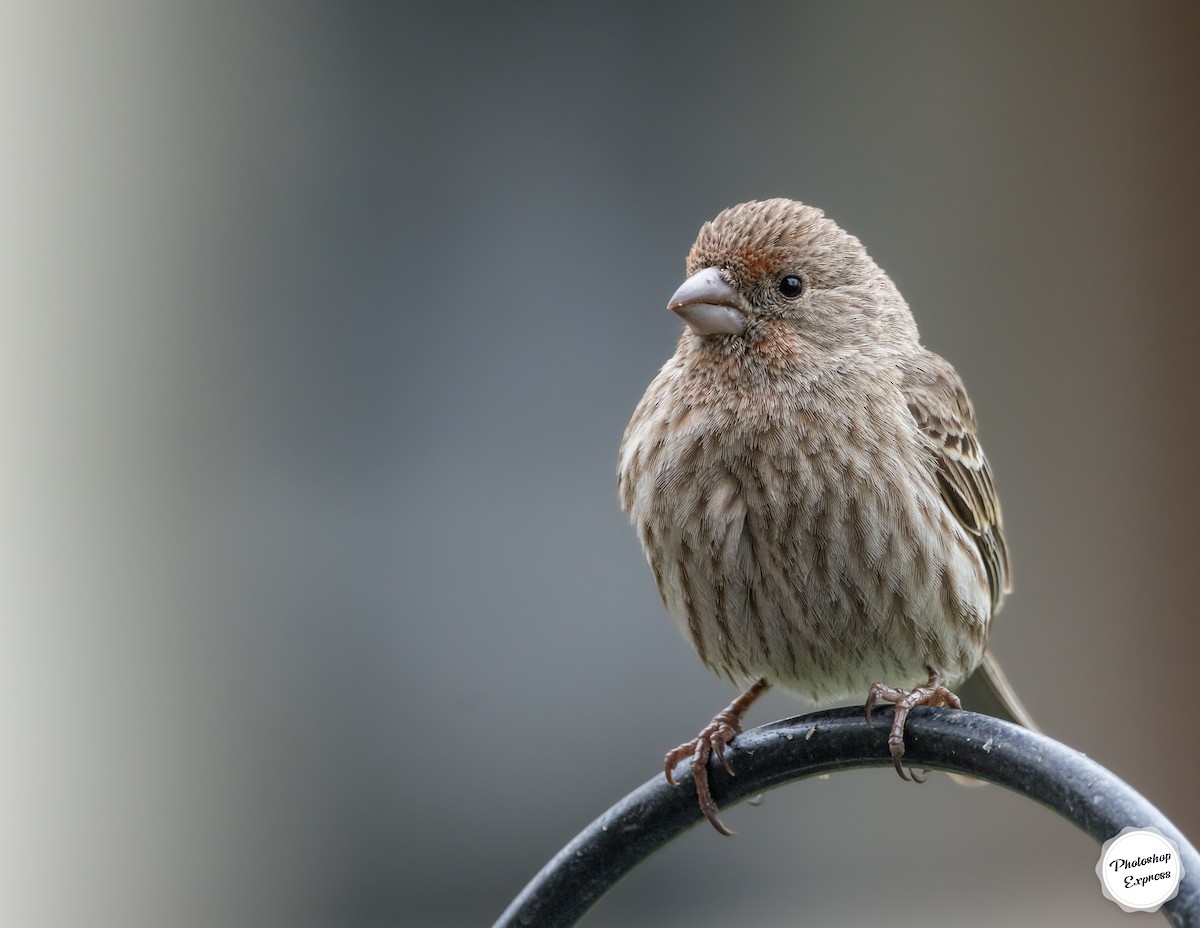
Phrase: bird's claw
[712,739]
[932,694]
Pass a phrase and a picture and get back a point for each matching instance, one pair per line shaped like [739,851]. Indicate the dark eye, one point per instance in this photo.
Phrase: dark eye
[791,287]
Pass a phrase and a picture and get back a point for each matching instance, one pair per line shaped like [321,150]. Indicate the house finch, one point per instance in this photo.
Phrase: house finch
[807,482]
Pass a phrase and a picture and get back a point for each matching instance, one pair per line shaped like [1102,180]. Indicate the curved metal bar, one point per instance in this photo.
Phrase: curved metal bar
[1058,777]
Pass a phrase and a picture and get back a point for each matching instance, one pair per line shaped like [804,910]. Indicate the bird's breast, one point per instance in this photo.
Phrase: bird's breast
[801,543]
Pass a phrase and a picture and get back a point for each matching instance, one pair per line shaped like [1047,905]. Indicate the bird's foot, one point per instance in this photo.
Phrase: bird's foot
[713,739]
[932,694]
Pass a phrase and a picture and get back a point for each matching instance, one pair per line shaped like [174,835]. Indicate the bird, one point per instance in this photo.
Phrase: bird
[809,488]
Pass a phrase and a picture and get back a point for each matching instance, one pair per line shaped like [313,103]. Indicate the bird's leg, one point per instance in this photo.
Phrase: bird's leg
[724,727]
[932,694]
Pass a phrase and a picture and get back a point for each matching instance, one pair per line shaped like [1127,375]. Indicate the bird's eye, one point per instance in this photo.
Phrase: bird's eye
[791,287]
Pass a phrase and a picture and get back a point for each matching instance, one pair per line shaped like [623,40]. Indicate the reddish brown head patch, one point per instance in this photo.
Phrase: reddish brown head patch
[756,238]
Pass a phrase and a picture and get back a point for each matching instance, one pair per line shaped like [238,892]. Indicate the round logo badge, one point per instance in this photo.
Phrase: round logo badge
[1139,869]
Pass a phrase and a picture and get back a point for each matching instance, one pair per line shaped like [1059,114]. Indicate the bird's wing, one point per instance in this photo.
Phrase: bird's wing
[939,404]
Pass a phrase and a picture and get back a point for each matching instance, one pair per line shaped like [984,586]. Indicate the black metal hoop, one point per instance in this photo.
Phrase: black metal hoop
[1062,779]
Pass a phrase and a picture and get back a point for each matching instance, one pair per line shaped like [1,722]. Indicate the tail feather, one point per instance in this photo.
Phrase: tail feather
[987,690]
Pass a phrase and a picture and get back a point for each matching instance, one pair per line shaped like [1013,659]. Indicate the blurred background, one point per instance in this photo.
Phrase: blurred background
[322,323]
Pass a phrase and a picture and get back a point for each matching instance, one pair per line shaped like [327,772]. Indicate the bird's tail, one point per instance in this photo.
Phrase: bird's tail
[987,690]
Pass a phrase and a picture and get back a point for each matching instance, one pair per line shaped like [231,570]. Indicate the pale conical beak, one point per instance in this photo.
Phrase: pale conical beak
[707,302]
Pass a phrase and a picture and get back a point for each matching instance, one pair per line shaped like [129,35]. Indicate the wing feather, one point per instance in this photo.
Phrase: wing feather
[939,404]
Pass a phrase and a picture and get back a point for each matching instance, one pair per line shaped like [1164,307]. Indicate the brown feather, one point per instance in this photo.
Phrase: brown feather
[939,404]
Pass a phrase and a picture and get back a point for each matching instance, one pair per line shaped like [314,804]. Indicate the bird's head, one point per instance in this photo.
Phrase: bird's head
[772,266]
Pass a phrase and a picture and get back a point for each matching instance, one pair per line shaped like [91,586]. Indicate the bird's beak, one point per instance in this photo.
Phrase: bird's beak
[707,302]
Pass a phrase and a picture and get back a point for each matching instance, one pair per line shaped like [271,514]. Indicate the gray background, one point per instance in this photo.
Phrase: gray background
[321,326]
